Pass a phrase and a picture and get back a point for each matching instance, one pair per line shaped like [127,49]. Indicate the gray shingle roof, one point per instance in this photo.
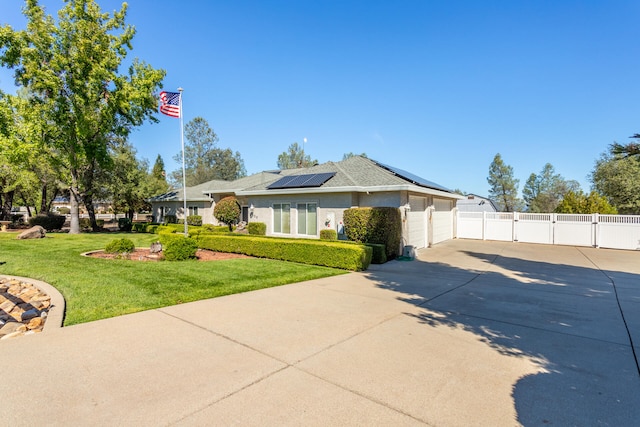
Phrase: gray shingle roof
[356,172]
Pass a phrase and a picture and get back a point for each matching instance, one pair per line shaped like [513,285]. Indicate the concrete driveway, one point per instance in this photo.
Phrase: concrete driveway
[471,333]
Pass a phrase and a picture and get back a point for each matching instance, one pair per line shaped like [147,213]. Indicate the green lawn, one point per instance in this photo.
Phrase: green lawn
[99,288]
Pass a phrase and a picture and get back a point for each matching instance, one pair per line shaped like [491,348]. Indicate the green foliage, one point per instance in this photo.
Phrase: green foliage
[382,225]
[64,211]
[328,234]
[48,221]
[257,228]
[580,203]
[378,253]
[503,186]
[203,160]
[543,192]
[120,246]
[341,255]
[125,224]
[70,67]
[227,211]
[294,157]
[170,219]
[194,220]
[179,248]
[215,228]
[618,179]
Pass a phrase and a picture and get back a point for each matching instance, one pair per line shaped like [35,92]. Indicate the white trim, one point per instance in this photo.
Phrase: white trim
[379,188]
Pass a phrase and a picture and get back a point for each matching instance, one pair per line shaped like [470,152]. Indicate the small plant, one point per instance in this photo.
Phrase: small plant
[179,249]
[125,224]
[328,234]
[257,228]
[170,219]
[194,220]
[85,223]
[121,247]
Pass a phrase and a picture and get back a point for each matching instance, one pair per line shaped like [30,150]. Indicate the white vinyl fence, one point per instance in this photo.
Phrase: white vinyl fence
[600,231]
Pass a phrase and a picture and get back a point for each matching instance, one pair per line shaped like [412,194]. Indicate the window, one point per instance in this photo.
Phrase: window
[193,210]
[308,218]
[281,218]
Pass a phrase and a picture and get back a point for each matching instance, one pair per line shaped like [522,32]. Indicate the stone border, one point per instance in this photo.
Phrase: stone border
[55,313]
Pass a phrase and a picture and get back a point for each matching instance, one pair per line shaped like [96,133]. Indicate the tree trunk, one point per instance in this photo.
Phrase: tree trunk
[43,200]
[88,204]
[74,199]
[7,204]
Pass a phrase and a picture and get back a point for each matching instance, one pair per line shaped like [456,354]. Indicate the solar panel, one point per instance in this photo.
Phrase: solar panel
[302,181]
[415,179]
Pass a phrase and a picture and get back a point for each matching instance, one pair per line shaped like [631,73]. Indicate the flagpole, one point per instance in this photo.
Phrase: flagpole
[184,175]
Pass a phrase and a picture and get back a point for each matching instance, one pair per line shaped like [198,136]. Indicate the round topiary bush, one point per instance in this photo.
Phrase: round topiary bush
[227,210]
[179,249]
[120,246]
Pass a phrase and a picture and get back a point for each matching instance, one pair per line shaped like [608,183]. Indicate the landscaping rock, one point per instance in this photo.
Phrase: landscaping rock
[35,232]
[23,308]
[156,248]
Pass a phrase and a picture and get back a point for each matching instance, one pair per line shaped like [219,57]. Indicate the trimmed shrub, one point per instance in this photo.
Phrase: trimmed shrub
[194,220]
[227,210]
[379,253]
[64,211]
[125,224]
[347,256]
[179,248]
[17,219]
[85,223]
[170,219]
[328,234]
[48,221]
[381,225]
[120,246]
[210,228]
[257,228]
[100,222]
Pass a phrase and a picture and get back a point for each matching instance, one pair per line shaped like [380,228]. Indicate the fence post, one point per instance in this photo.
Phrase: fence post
[514,228]
[595,230]
[484,224]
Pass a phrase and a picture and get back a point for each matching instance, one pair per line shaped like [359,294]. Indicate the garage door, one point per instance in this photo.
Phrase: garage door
[417,220]
[442,220]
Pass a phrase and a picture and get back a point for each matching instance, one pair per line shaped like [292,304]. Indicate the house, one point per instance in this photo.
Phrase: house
[301,202]
[475,203]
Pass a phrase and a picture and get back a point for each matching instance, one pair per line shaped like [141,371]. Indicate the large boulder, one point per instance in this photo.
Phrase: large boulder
[35,232]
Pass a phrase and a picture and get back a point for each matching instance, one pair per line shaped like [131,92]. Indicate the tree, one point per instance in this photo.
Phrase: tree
[71,68]
[503,186]
[543,192]
[350,154]
[203,160]
[617,177]
[581,203]
[227,211]
[127,181]
[158,178]
[294,158]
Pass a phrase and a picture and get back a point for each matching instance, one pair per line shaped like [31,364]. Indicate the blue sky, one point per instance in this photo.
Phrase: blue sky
[433,87]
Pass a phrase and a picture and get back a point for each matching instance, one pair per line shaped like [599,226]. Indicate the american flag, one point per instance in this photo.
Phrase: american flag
[170,103]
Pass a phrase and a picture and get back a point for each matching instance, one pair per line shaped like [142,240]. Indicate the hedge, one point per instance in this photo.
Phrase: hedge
[381,225]
[257,228]
[378,253]
[326,253]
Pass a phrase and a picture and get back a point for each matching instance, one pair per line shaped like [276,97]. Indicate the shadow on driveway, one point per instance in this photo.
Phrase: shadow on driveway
[551,305]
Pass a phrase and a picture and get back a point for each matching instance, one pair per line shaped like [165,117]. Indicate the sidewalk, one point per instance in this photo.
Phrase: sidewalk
[472,333]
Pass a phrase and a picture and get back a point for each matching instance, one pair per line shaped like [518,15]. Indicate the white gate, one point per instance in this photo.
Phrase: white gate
[498,226]
[533,228]
[619,231]
[574,230]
